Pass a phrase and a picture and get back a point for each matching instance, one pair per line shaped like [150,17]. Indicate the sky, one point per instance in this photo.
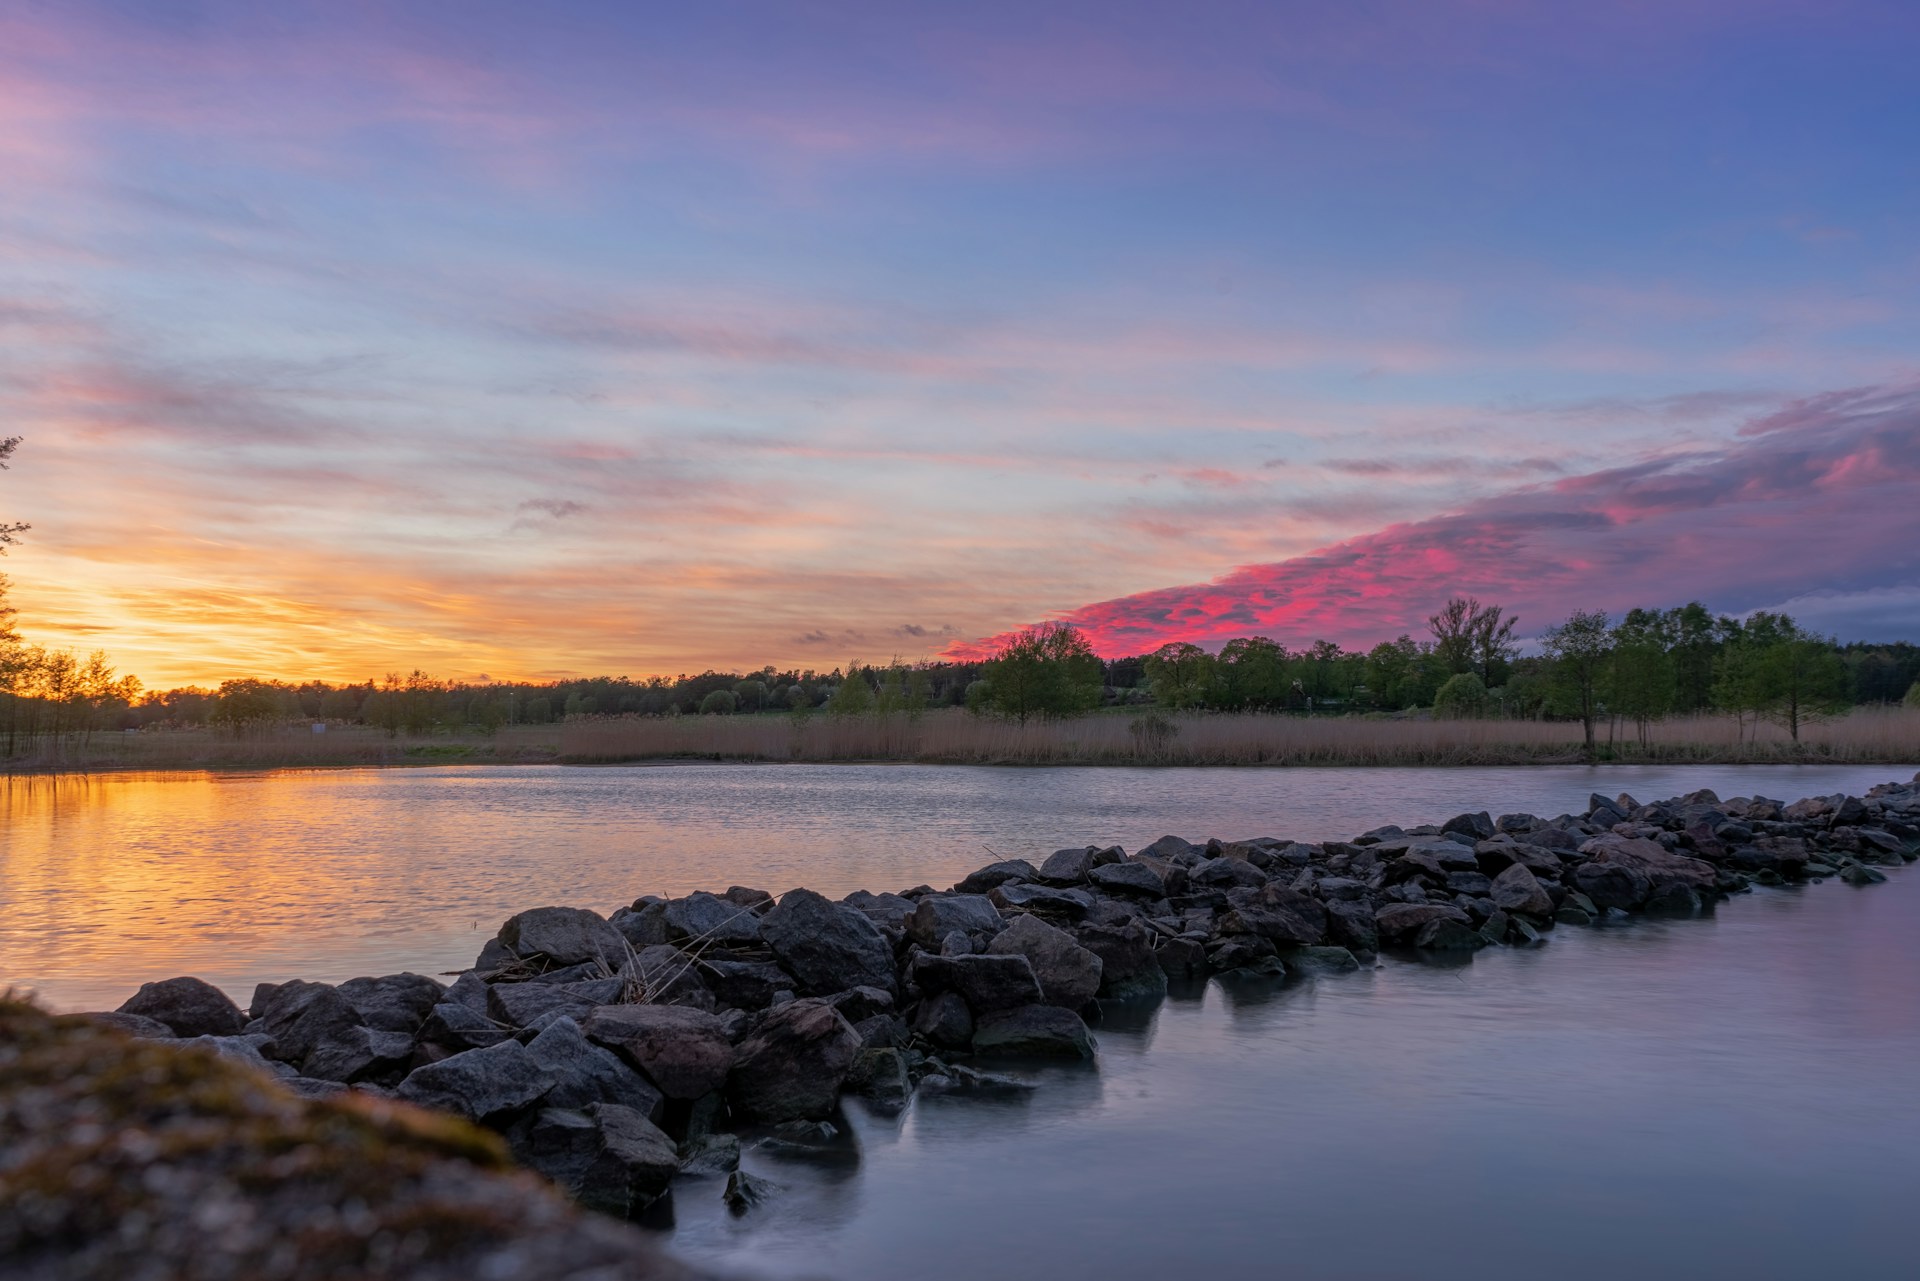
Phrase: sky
[527,341]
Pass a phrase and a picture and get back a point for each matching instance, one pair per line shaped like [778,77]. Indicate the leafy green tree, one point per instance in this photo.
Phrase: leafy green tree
[1577,651]
[247,706]
[854,697]
[1913,696]
[1463,696]
[750,695]
[1179,674]
[1695,638]
[1251,671]
[1640,676]
[1798,675]
[719,702]
[1044,671]
[1392,674]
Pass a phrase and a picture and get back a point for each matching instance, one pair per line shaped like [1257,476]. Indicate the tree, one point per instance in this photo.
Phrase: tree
[1913,696]
[1797,675]
[1695,638]
[1469,636]
[854,697]
[1048,670]
[247,706]
[1464,695]
[1577,650]
[1250,672]
[719,702]
[9,532]
[1640,679]
[1179,674]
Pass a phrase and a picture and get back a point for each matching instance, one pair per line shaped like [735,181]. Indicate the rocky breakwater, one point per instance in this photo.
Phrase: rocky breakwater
[618,1054]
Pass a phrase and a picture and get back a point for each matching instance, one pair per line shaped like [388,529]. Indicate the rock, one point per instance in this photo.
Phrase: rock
[1131,877]
[1649,861]
[1479,826]
[188,1006]
[1181,957]
[523,1004]
[394,1002]
[1350,924]
[938,915]
[300,1016]
[1401,922]
[880,1077]
[830,947]
[794,1063]
[1286,917]
[1129,971]
[1613,885]
[469,990]
[458,1027]
[1671,899]
[987,982]
[607,1157]
[683,1051]
[668,976]
[565,935]
[642,925]
[1518,890]
[1068,974]
[240,1049]
[1445,934]
[1001,873]
[745,1191]
[1033,1031]
[584,1073]
[707,918]
[479,1084]
[1070,905]
[713,1155]
[1173,849]
[945,1020]
[746,985]
[1067,867]
[860,1003]
[359,1053]
[134,1024]
[888,911]
[1225,873]
[1241,951]
[1323,960]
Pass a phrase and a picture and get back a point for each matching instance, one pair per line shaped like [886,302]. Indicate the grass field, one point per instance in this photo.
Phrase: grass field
[951,736]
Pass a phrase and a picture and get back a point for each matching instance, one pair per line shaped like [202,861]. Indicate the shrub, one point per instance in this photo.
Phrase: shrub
[1462,696]
[1913,696]
[720,702]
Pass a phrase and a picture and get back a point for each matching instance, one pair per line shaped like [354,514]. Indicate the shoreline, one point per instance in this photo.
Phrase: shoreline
[672,1032]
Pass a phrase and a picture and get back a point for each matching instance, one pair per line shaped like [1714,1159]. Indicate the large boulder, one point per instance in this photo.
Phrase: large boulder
[1033,1031]
[1518,890]
[564,935]
[394,1002]
[668,976]
[1068,867]
[1286,917]
[746,985]
[709,918]
[1660,866]
[1129,971]
[1401,923]
[1350,924]
[1132,877]
[1071,905]
[608,1157]
[945,1020]
[300,1016]
[792,1066]
[1005,872]
[889,911]
[524,1004]
[454,1028]
[1068,974]
[479,1084]
[1226,873]
[986,982]
[584,1073]
[683,1051]
[830,947]
[938,915]
[189,1006]
[359,1053]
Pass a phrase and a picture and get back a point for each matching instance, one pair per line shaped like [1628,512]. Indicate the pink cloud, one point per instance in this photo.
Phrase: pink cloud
[1816,497]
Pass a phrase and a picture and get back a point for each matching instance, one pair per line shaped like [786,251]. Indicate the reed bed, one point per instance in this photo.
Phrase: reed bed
[1867,735]
[286,748]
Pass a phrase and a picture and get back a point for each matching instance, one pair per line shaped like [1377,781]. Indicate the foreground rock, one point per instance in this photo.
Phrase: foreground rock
[612,1053]
[129,1159]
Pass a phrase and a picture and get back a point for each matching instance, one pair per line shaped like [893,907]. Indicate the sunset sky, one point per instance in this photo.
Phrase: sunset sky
[536,340]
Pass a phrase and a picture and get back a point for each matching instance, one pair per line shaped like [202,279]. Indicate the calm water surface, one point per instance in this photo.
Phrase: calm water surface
[109,881]
[1724,1097]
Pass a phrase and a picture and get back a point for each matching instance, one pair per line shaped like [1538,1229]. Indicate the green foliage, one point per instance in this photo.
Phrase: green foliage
[1577,652]
[1463,696]
[719,702]
[1471,637]
[1045,671]
[854,697]
[1913,696]
[1180,674]
[1640,683]
[247,706]
[750,695]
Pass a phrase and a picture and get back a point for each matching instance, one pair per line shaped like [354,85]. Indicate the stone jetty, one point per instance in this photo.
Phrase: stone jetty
[619,1055]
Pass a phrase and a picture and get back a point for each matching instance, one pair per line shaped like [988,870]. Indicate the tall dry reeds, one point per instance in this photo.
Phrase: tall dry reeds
[957,737]
[286,747]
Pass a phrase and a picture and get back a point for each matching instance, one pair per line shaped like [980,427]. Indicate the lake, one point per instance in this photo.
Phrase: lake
[1726,1096]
